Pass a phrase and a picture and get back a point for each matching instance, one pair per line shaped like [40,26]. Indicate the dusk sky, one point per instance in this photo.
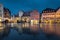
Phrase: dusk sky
[15,5]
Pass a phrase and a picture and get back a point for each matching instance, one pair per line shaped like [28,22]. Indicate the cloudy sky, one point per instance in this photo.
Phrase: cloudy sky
[27,5]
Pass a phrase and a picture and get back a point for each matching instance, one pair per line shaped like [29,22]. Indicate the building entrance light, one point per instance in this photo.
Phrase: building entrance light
[0,19]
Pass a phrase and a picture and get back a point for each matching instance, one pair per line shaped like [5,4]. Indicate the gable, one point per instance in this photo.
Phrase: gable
[58,11]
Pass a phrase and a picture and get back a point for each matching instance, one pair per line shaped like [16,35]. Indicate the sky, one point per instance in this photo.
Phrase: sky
[27,5]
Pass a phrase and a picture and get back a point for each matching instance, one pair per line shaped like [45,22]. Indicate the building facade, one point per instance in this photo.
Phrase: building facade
[26,17]
[48,15]
[7,13]
[57,14]
[34,17]
[20,14]
[1,10]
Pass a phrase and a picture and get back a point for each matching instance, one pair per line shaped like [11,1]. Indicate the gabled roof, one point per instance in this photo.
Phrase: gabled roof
[26,14]
[7,10]
[48,10]
[17,15]
[57,9]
